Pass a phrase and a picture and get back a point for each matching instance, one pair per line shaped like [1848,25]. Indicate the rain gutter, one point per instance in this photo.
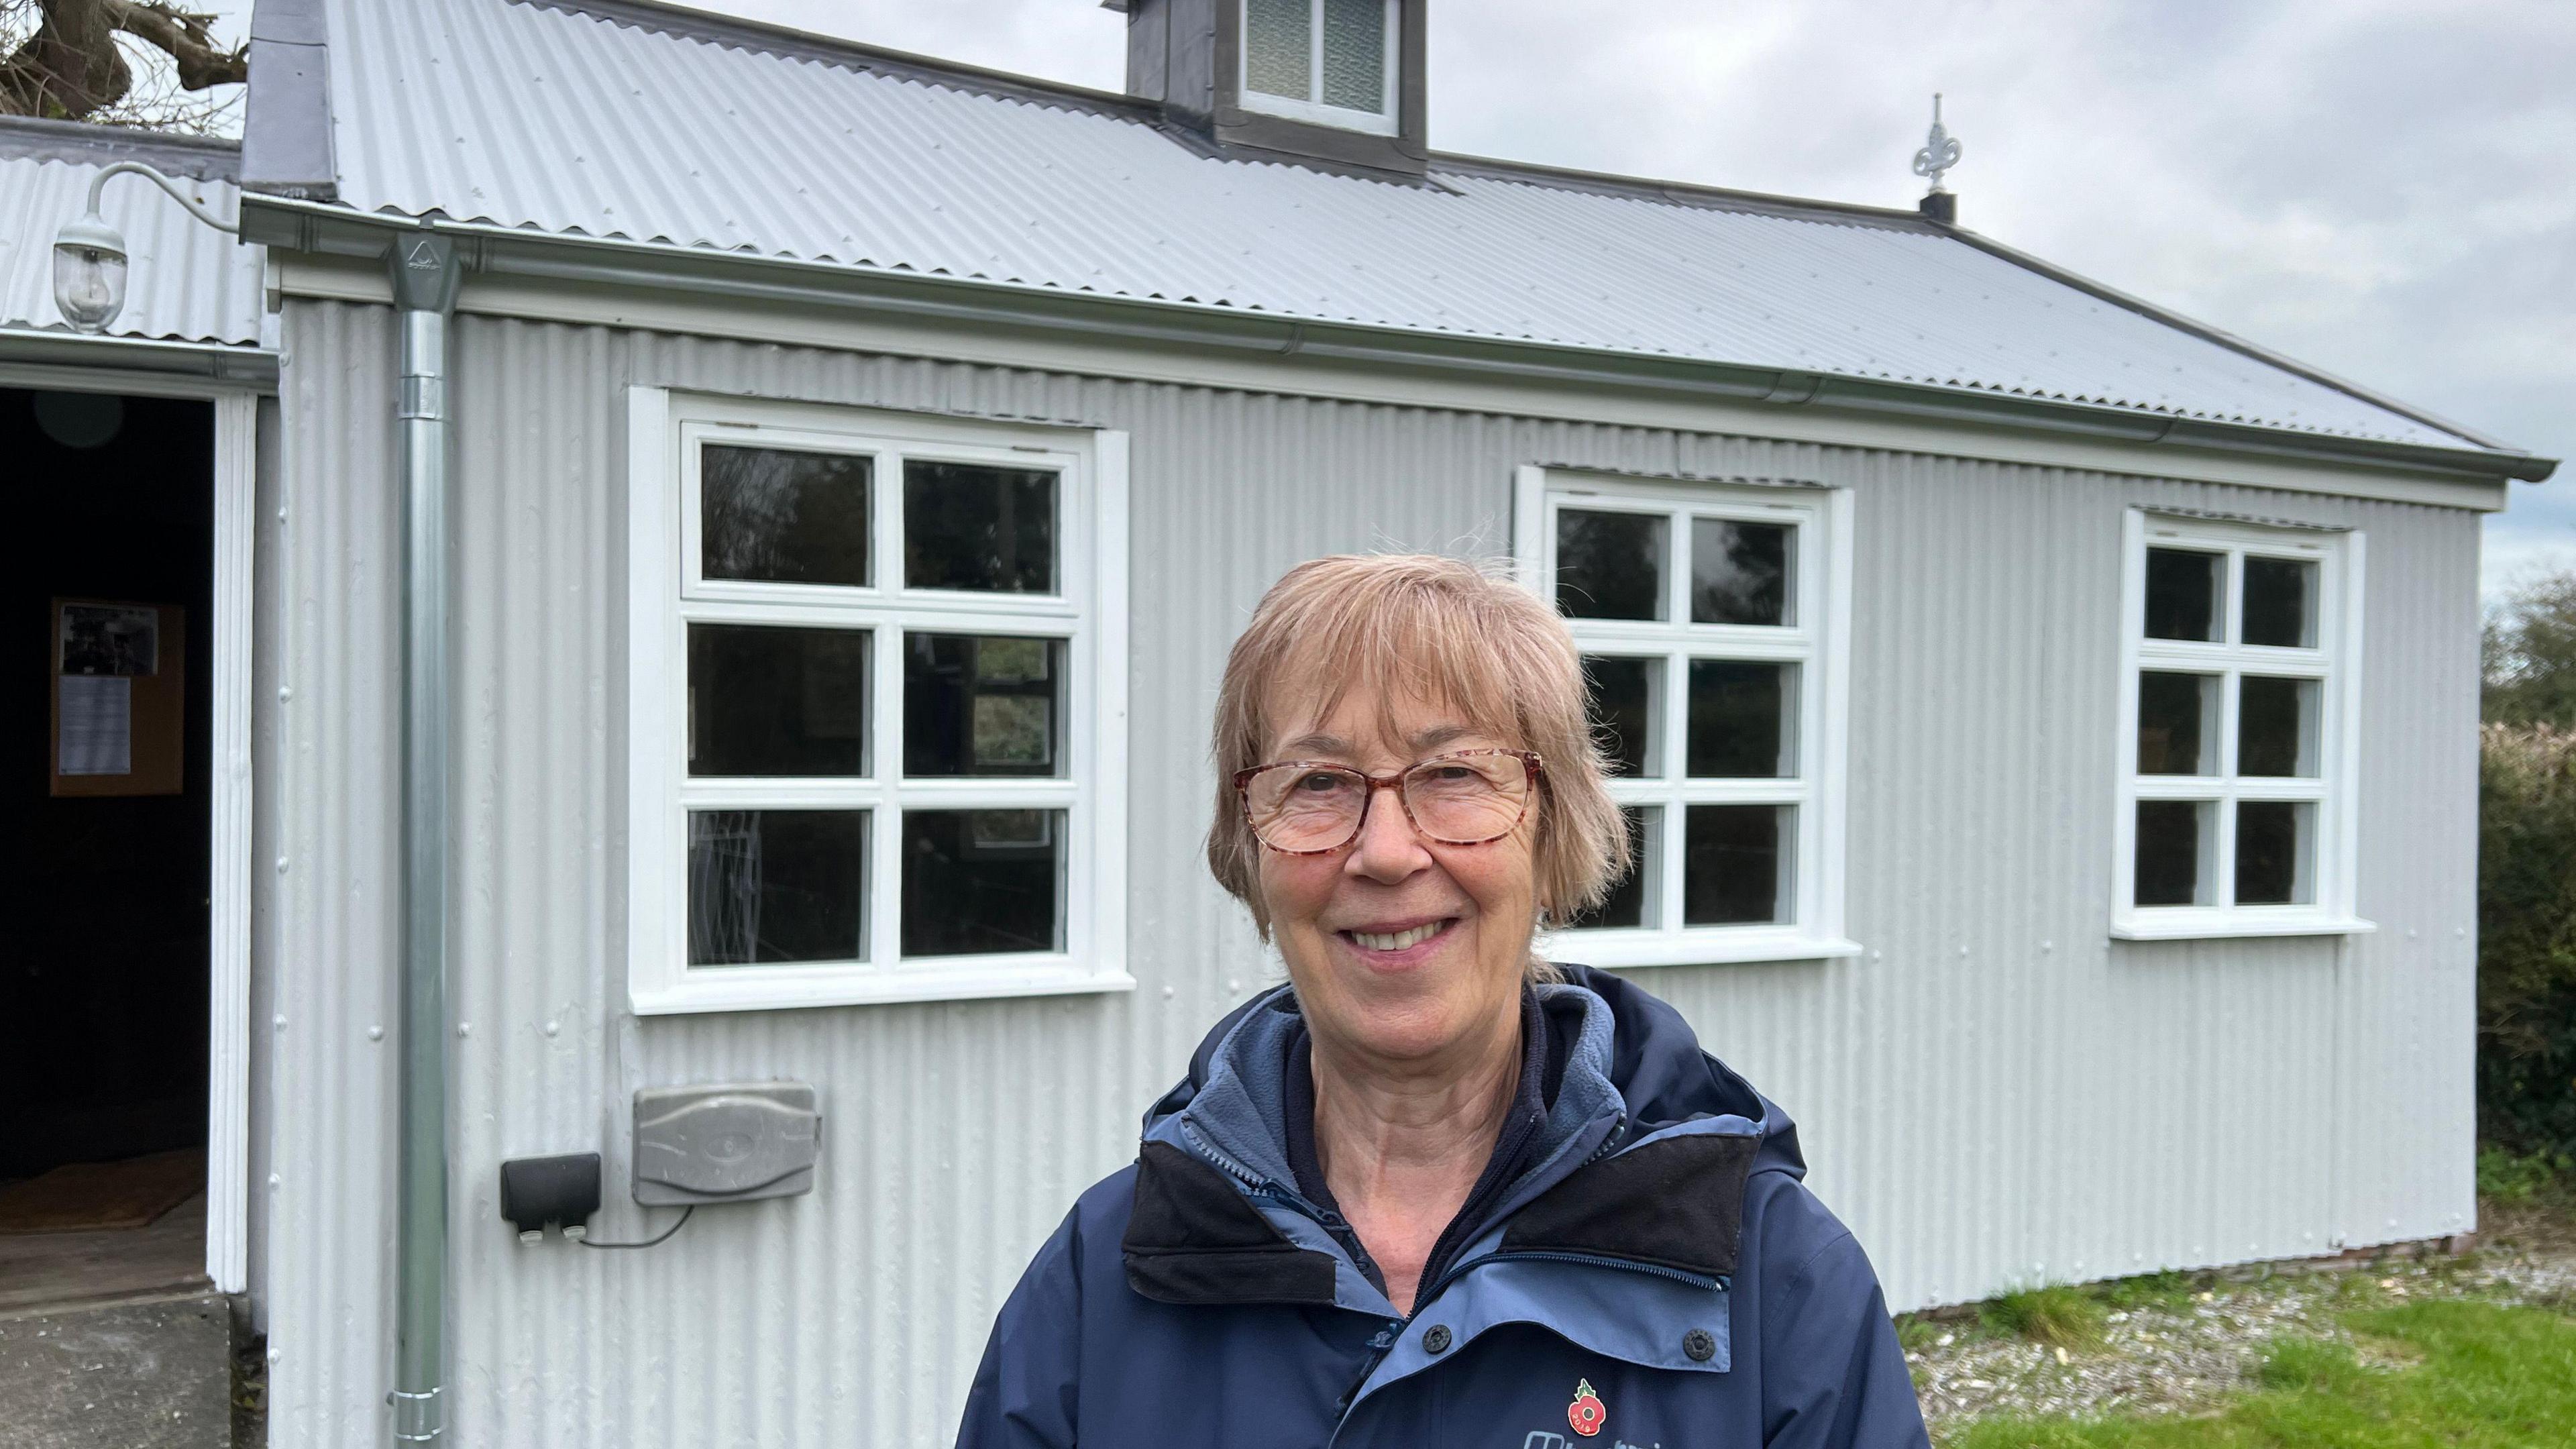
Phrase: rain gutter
[329,229]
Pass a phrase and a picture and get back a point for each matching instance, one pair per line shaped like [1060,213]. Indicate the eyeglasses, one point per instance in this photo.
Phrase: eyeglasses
[1308,807]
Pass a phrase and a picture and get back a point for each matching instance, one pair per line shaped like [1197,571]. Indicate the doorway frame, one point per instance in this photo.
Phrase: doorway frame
[228,768]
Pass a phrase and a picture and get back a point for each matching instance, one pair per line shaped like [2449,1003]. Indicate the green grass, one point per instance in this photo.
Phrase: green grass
[2510,1178]
[2167,1290]
[2491,1377]
[2056,1314]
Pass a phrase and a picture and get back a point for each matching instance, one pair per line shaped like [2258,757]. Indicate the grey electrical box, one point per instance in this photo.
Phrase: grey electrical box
[728,1143]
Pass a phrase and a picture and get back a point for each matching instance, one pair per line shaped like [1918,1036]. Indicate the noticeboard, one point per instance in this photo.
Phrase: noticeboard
[120,722]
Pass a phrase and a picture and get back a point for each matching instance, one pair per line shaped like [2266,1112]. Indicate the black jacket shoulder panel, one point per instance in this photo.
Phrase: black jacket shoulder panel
[1193,1239]
[1675,1203]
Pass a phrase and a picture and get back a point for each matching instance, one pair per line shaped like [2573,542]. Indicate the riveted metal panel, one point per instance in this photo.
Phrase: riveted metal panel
[545,117]
[1992,1093]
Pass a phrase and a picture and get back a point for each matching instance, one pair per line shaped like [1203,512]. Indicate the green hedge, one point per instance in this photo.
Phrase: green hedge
[2527,940]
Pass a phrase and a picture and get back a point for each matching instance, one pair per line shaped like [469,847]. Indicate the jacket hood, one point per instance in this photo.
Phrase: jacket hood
[1636,1071]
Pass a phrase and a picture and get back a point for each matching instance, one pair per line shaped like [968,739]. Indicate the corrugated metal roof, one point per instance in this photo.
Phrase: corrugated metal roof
[525,115]
[187,282]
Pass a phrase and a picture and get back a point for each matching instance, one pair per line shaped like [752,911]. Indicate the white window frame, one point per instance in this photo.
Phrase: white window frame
[666,593]
[1385,122]
[2335,663]
[1819,643]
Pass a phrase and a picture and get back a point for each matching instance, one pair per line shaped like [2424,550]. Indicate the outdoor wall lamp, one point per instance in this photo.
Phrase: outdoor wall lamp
[89,255]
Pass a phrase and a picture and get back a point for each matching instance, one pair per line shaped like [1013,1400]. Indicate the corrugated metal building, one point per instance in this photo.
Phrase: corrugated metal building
[2110,840]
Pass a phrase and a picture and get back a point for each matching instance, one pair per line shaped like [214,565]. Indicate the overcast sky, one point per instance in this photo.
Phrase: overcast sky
[2382,188]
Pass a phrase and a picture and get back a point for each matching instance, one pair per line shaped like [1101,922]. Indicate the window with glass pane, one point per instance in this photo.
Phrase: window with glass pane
[1735,866]
[1743,719]
[770,886]
[1702,645]
[973,526]
[2185,591]
[1740,572]
[1354,60]
[2175,843]
[2276,726]
[1611,565]
[770,700]
[856,767]
[1627,903]
[981,704]
[783,515]
[2234,785]
[2280,603]
[1328,53]
[982,882]
[1625,696]
[2177,723]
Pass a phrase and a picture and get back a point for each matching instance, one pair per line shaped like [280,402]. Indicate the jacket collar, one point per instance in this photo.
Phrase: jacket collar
[1218,1219]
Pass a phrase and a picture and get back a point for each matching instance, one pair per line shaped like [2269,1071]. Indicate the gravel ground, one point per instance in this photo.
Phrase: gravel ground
[2188,1349]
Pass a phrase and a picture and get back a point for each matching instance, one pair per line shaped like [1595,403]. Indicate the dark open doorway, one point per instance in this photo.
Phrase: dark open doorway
[104,786]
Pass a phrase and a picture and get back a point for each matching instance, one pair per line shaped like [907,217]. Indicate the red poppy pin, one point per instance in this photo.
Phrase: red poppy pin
[1586,1412]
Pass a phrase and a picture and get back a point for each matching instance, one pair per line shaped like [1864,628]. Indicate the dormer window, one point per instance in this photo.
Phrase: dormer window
[1332,82]
[1327,62]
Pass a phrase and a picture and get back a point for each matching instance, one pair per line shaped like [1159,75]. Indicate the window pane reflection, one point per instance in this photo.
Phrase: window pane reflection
[1740,719]
[1623,710]
[773,701]
[1740,572]
[969,526]
[777,885]
[2274,852]
[977,882]
[2184,591]
[2175,844]
[2280,603]
[784,516]
[1628,901]
[2177,723]
[1735,864]
[1610,565]
[982,705]
[2276,727]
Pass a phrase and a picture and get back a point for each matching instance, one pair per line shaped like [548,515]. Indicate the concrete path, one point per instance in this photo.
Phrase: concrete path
[155,1375]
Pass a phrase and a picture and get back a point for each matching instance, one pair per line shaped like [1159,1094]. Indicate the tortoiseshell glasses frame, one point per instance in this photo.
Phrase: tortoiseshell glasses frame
[1470,797]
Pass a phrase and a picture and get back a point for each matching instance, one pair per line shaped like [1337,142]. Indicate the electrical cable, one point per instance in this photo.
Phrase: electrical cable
[685,1214]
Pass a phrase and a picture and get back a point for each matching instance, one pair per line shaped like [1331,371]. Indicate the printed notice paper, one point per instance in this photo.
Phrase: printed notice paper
[97,725]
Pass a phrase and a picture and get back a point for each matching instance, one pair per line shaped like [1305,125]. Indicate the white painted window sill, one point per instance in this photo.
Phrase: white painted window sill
[774,988]
[2198,925]
[1725,947]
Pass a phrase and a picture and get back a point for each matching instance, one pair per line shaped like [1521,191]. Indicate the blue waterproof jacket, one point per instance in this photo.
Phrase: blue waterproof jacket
[1657,1276]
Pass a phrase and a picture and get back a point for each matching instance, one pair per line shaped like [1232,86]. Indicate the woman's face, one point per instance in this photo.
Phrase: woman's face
[1400,948]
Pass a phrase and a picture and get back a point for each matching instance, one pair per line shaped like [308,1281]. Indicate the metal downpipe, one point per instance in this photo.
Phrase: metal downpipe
[425,276]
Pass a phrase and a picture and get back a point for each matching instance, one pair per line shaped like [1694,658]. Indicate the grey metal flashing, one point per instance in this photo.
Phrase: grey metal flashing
[1682,193]
[789,43]
[203,158]
[287,147]
[256,367]
[645,266]
[2230,341]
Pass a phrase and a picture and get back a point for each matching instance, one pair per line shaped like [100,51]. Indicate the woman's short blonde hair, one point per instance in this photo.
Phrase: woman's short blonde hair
[1423,627]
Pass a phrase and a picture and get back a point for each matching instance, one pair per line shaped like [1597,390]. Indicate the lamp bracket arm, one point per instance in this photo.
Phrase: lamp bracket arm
[98,184]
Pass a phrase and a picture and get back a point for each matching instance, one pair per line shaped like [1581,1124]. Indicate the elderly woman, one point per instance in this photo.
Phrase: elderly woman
[1434,1190]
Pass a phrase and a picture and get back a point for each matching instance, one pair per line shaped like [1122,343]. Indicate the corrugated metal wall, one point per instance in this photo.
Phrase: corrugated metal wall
[1994,1093]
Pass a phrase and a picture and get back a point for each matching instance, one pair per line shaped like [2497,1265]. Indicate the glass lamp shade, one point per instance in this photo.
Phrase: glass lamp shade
[89,274]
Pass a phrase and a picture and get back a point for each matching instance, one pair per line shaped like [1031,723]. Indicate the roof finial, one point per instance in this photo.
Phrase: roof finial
[1940,152]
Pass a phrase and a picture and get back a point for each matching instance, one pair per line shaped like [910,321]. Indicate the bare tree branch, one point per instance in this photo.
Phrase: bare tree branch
[66,62]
